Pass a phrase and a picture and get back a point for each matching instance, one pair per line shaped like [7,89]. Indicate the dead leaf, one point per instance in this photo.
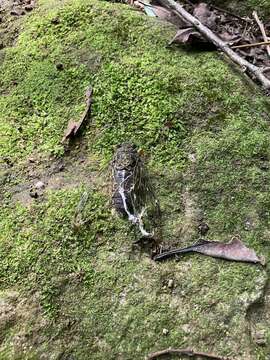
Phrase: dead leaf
[234,251]
[184,352]
[73,127]
[187,36]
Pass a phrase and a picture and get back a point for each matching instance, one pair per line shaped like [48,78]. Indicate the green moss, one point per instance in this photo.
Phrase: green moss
[138,92]
[206,136]
[89,277]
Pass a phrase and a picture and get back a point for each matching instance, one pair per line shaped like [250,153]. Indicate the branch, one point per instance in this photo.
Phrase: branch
[260,24]
[184,352]
[229,13]
[209,35]
[251,45]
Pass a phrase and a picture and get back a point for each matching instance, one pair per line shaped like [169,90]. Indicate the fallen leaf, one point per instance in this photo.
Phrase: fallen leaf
[69,132]
[234,251]
[187,36]
[73,127]
[184,352]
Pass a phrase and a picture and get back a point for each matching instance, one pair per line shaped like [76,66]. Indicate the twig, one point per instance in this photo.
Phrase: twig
[266,69]
[145,4]
[184,352]
[209,35]
[229,13]
[190,3]
[250,45]
[261,26]
[221,10]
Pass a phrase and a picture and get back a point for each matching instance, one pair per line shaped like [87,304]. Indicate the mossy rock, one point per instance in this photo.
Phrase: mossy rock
[206,138]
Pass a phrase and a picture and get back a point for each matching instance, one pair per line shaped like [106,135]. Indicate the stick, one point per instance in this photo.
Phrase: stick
[260,24]
[145,4]
[221,10]
[190,3]
[251,45]
[209,35]
[185,352]
[229,13]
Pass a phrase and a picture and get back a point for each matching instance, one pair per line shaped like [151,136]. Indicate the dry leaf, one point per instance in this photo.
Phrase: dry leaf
[73,127]
[187,36]
[234,251]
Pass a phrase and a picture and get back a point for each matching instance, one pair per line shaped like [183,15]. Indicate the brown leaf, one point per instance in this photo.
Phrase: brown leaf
[234,251]
[184,352]
[187,36]
[69,132]
[73,127]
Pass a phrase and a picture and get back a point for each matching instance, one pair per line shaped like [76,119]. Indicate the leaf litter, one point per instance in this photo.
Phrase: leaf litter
[246,35]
